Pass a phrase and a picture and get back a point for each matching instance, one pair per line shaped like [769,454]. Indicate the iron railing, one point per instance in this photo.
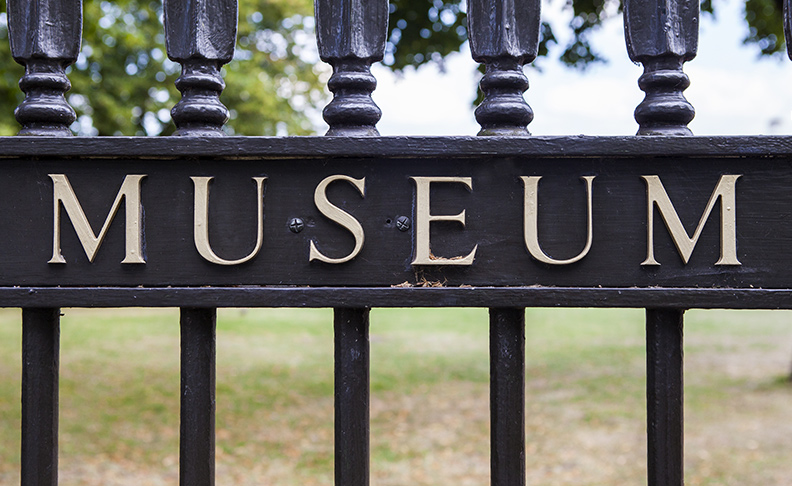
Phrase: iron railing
[661,34]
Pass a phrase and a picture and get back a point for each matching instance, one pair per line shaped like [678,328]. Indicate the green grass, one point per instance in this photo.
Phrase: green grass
[585,405]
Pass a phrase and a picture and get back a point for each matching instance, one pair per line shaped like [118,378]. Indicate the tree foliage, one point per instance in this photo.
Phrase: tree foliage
[765,29]
[123,81]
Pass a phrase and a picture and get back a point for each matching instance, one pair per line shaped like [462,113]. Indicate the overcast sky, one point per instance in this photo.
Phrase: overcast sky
[732,90]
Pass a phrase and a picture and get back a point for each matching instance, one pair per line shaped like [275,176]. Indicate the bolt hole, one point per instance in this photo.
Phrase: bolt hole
[388,221]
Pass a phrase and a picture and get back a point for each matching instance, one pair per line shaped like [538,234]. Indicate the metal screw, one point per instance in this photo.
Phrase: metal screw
[296,225]
[403,223]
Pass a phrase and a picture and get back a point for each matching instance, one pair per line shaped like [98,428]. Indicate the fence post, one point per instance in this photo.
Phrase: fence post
[662,35]
[351,335]
[200,35]
[45,38]
[504,36]
[197,424]
[351,36]
[664,397]
[507,396]
[40,373]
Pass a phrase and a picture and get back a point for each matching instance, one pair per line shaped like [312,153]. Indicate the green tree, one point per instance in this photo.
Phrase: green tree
[123,81]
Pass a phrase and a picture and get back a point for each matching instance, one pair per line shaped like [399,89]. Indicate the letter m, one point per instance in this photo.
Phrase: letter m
[657,196]
[63,194]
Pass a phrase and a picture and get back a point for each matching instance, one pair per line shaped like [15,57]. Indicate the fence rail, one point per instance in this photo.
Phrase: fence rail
[383,266]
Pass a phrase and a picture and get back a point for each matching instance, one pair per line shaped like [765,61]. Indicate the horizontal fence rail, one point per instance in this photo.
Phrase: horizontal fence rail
[354,220]
[457,219]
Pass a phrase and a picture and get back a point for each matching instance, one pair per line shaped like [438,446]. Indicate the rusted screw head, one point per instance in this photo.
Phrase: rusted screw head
[403,223]
[296,225]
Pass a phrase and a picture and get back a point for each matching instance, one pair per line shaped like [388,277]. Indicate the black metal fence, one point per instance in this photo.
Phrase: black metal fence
[662,35]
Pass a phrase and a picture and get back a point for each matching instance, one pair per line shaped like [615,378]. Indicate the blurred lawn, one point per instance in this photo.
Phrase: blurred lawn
[585,420]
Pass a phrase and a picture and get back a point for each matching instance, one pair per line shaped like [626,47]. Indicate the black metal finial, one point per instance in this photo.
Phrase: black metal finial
[45,38]
[200,35]
[351,36]
[662,35]
[504,36]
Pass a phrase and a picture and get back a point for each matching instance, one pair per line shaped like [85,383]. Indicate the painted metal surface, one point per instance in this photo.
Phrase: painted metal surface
[197,409]
[504,36]
[40,374]
[200,35]
[664,397]
[351,404]
[495,203]
[351,36]
[45,38]
[507,396]
[662,35]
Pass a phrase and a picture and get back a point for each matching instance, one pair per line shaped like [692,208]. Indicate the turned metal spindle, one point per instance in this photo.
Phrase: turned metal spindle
[200,35]
[45,38]
[351,36]
[504,36]
[662,35]
[788,26]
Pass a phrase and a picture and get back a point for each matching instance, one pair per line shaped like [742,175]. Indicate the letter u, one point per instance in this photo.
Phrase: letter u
[201,221]
[531,226]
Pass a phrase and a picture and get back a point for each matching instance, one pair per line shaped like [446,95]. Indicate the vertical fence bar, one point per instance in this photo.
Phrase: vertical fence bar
[200,35]
[507,396]
[45,38]
[664,393]
[662,35]
[504,36]
[351,329]
[40,364]
[197,430]
[351,36]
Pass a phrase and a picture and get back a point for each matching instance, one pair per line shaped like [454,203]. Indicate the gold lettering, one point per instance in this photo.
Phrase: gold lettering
[63,194]
[423,218]
[657,196]
[201,221]
[338,215]
[531,229]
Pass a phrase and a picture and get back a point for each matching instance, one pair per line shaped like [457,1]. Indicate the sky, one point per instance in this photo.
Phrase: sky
[733,91]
